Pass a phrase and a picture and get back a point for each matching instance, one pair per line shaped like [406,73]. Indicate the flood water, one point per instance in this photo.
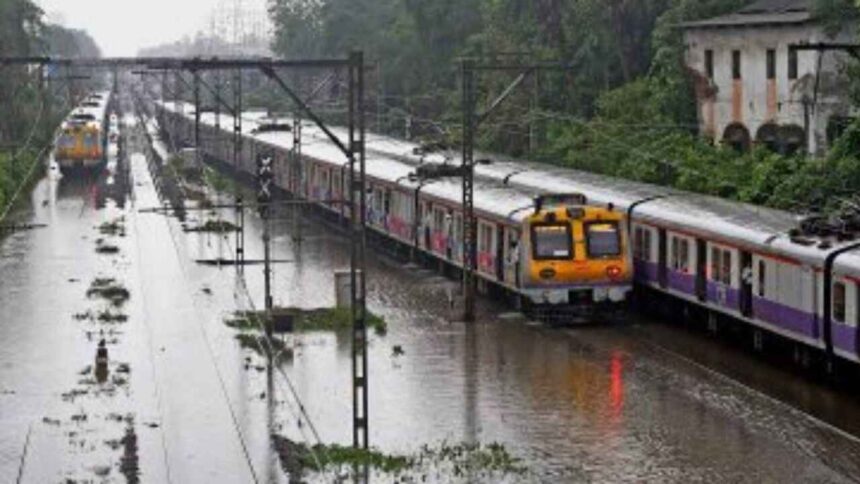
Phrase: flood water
[634,402]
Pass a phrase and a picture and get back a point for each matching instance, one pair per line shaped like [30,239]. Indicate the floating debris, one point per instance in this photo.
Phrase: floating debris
[321,319]
[106,249]
[109,289]
[109,317]
[113,228]
[214,226]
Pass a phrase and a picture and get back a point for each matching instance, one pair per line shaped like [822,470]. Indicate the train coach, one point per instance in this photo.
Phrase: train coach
[559,255]
[83,139]
[730,261]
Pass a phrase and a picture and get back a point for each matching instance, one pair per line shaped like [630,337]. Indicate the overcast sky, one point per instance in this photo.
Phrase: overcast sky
[121,27]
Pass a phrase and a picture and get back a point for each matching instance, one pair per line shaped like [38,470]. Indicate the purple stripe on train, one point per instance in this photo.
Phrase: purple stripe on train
[645,271]
[788,318]
[785,317]
[845,338]
[682,282]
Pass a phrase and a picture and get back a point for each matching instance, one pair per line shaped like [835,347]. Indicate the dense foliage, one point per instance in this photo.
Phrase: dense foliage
[29,115]
[624,106]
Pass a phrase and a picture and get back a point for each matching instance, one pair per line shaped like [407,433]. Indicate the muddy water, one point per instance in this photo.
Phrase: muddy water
[601,404]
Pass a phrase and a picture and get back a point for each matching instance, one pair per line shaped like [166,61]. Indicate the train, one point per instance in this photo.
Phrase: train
[729,261]
[82,144]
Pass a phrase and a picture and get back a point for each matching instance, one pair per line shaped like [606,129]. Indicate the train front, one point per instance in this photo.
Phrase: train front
[578,262]
[79,147]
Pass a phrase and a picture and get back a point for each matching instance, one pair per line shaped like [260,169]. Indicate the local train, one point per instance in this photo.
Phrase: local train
[83,139]
[688,252]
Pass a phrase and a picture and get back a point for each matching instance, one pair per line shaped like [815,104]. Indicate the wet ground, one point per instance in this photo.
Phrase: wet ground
[182,401]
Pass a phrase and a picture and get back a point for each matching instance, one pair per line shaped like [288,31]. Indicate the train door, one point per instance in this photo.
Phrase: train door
[501,242]
[512,257]
[701,270]
[746,282]
[662,267]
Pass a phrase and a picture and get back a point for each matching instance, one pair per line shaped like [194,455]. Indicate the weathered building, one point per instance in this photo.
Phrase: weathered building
[752,88]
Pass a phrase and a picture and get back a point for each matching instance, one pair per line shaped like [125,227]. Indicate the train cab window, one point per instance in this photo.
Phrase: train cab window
[839,302]
[66,141]
[603,239]
[552,242]
[90,140]
[680,260]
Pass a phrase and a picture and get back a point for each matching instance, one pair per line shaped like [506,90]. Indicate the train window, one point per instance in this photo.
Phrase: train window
[727,268]
[680,260]
[762,278]
[552,241]
[721,265]
[839,302]
[603,239]
[642,244]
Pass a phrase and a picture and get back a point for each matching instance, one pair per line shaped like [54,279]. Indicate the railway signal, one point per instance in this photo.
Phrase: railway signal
[265,179]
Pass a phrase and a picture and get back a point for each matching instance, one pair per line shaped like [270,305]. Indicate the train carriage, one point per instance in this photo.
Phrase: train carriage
[726,258]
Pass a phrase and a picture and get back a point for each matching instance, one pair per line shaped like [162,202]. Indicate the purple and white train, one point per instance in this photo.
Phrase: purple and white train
[726,259]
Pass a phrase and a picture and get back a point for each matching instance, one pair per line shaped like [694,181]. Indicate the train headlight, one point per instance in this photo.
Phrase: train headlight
[613,272]
[547,273]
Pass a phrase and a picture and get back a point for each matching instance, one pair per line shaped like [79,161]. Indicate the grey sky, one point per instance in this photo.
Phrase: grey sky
[121,27]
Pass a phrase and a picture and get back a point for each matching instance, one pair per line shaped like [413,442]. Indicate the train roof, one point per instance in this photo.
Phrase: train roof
[508,185]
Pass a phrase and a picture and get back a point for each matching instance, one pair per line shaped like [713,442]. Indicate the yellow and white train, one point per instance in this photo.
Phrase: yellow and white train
[82,143]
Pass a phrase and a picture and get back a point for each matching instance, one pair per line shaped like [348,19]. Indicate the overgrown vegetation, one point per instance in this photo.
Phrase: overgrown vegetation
[445,462]
[110,290]
[625,107]
[321,319]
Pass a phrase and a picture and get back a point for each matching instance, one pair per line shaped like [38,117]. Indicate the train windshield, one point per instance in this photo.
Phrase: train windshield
[91,140]
[66,140]
[603,240]
[552,241]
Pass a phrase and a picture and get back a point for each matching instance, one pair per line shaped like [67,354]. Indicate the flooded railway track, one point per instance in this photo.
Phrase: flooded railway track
[634,402]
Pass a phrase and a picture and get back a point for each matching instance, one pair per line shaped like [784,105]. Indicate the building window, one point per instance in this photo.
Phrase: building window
[736,64]
[771,64]
[709,63]
[792,63]
[839,302]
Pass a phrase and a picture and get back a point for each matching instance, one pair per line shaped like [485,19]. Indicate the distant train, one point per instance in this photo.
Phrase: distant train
[728,261]
[82,143]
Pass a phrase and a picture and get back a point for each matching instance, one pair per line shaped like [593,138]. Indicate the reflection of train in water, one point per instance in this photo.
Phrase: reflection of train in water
[82,143]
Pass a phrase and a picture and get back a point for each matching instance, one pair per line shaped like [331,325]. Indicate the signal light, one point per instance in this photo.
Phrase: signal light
[614,272]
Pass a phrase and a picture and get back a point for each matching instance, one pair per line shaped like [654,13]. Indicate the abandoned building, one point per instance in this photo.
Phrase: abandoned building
[751,88]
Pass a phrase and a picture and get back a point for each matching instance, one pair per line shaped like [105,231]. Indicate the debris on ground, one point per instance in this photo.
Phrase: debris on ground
[320,319]
[114,227]
[214,226]
[109,289]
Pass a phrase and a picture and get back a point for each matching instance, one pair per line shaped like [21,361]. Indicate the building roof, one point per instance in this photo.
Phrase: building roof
[760,12]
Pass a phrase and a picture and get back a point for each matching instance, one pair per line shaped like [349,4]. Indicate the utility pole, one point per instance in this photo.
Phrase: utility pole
[237,156]
[196,75]
[358,221]
[470,248]
[265,179]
